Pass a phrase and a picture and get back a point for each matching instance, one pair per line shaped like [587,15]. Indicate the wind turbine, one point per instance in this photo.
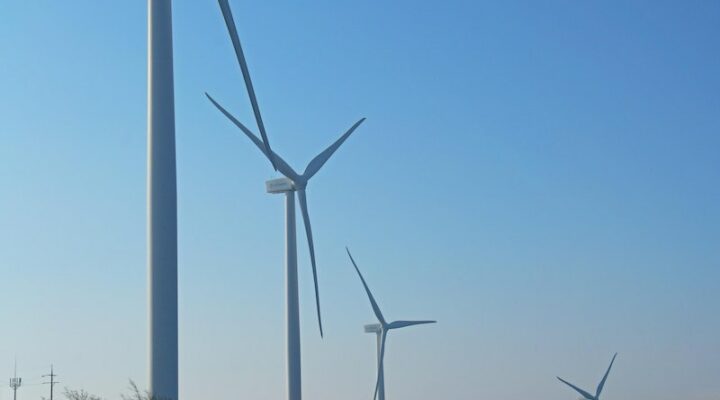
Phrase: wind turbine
[293,182]
[587,395]
[381,330]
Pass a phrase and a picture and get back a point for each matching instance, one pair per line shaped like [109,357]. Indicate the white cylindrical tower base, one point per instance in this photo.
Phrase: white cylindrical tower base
[381,371]
[162,205]
[294,385]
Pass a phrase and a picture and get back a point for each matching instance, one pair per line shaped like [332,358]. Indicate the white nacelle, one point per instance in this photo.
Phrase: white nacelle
[280,185]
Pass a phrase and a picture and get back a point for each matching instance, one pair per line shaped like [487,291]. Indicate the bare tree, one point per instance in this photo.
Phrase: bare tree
[137,394]
[134,394]
[79,395]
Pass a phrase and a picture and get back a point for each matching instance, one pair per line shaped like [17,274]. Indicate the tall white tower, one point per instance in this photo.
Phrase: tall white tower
[162,205]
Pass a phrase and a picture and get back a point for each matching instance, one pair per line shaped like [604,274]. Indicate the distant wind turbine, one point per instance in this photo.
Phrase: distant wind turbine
[381,330]
[587,395]
[293,182]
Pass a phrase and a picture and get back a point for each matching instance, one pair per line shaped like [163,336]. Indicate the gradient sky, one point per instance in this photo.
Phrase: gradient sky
[542,179]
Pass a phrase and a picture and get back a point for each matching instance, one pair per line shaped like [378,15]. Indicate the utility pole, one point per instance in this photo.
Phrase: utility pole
[52,382]
[15,383]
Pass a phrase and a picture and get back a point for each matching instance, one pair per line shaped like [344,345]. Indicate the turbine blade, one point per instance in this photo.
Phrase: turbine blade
[381,364]
[320,160]
[374,304]
[240,125]
[577,389]
[308,231]
[403,324]
[284,168]
[232,30]
[602,382]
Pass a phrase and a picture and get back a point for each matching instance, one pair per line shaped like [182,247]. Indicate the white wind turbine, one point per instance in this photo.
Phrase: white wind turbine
[599,389]
[381,330]
[293,182]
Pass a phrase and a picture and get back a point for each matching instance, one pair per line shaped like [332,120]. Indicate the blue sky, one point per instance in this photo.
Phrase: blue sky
[539,178]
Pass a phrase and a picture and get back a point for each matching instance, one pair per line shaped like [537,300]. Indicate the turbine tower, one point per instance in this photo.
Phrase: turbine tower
[599,389]
[377,330]
[381,330]
[293,182]
[162,205]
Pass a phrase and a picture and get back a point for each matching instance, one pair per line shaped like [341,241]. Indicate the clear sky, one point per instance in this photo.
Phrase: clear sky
[542,179]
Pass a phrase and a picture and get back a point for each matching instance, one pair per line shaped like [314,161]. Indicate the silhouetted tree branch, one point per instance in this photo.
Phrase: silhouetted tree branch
[79,395]
[137,394]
